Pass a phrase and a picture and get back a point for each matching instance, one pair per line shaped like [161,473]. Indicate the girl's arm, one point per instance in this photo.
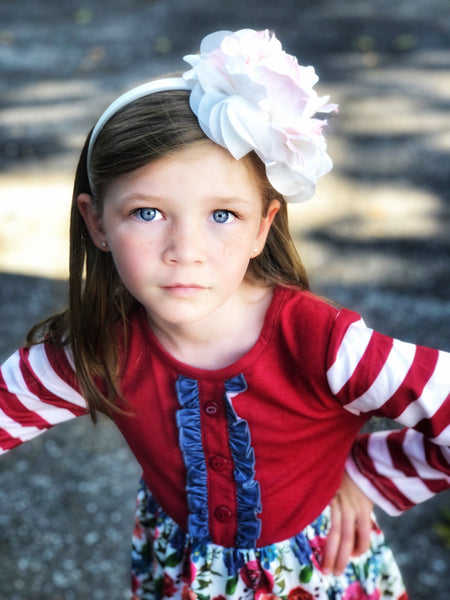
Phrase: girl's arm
[37,391]
[399,469]
[377,375]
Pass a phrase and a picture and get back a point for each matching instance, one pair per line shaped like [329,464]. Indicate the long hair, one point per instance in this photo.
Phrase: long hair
[94,325]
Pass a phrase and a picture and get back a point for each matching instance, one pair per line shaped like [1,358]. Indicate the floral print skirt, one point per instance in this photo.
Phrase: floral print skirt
[168,563]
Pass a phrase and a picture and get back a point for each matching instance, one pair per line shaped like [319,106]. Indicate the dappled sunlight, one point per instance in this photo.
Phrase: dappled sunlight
[48,102]
[400,115]
[34,225]
[356,233]
[390,145]
[380,211]
[47,122]
[390,211]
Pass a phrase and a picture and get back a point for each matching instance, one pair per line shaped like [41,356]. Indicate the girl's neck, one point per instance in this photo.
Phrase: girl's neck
[218,342]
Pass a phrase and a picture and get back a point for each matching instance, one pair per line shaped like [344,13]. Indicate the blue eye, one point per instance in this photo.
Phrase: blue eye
[223,216]
[147,214]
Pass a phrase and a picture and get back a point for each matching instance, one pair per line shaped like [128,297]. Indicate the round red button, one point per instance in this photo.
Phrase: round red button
[212,408]
[218,463]
[223,514]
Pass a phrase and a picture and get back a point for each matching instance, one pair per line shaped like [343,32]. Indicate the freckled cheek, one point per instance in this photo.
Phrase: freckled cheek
[130,244]
[130,255]
[238,248]
[135,271]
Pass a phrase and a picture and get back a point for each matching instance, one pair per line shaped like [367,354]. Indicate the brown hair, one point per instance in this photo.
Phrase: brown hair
[94,326]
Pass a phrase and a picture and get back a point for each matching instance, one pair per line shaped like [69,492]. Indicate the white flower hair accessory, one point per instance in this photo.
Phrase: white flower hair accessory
[248,94]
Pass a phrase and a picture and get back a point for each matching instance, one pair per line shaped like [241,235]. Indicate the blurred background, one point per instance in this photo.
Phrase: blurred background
[375,238]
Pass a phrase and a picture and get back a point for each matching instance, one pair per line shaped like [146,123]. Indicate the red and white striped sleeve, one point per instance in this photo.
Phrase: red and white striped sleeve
[377,375]
[37,391]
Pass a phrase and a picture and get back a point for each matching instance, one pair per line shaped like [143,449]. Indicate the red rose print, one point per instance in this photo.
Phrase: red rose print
[318,546]
[356,592]
[169,588]
[256,578]
[188,594]
[300,594]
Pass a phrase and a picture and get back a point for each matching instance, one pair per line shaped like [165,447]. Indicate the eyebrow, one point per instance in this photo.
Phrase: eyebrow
[216,199]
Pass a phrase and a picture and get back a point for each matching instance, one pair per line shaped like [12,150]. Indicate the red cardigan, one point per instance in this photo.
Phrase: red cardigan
[250,454]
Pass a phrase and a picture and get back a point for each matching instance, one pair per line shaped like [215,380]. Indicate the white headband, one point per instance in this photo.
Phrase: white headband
[150,87]
[248,94]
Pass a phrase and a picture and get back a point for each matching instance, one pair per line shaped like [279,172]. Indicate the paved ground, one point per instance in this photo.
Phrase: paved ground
[376,238]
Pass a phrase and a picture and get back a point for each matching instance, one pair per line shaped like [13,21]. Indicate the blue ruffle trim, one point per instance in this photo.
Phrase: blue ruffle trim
[190,437]
[248,490]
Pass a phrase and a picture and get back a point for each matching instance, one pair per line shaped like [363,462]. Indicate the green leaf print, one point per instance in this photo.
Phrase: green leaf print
[232,585]
[172,561]
[215,573]
[306,574]
[202,584]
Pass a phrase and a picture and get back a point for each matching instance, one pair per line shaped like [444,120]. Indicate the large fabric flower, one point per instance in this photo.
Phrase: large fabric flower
[248,94]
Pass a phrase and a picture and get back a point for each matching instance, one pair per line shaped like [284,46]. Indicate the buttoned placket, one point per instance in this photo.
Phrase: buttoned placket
[222,500]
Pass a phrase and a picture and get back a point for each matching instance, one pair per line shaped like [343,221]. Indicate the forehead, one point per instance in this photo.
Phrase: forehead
[204,165]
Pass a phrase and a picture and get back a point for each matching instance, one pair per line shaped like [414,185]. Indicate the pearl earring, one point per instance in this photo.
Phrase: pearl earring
[104,244]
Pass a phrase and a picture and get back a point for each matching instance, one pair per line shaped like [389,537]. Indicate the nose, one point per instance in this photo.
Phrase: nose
[185,244]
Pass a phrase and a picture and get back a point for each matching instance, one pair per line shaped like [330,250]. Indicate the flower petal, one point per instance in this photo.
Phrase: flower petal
[248,94]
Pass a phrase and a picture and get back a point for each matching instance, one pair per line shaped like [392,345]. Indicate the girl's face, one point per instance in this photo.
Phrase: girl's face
[182,231]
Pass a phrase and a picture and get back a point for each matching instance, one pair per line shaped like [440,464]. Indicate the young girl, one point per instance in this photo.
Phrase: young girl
[190,324]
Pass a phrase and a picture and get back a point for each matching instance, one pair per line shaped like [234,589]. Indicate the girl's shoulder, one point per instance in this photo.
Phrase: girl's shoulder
[306,320]
[310,308]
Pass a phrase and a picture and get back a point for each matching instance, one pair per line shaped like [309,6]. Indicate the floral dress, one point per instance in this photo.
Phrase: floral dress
[168,563]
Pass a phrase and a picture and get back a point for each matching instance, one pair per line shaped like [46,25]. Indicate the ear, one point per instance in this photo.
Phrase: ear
[265,225]
[93,219]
